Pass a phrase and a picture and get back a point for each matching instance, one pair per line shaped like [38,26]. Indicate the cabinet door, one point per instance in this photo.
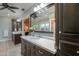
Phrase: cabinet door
[71,18]
[17,38]
[23,48]
[33,50]
[69,21]
[28,49]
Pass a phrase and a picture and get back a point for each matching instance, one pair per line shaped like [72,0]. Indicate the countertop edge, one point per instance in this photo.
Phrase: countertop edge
[39,46]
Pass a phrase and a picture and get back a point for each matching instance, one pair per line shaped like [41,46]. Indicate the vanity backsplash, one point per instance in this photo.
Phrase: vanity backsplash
[44,35]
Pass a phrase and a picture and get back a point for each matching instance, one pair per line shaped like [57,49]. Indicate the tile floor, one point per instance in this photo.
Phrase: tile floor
[7,48]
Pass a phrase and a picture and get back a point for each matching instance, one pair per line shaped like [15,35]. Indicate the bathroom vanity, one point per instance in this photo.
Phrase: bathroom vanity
[16,31]
[16,37]
[36,46]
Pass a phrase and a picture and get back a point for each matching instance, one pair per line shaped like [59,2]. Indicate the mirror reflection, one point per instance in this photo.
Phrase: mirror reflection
[44,19]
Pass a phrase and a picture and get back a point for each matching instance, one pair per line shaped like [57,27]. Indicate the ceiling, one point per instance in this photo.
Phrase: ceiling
[19,12]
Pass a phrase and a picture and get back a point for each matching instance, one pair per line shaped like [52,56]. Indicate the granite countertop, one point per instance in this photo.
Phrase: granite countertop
[46,44]
[17,32]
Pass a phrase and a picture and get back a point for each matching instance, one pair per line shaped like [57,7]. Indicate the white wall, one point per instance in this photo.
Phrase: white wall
[5,24]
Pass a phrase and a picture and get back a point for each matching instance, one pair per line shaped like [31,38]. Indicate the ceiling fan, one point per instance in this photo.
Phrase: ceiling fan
[5,5]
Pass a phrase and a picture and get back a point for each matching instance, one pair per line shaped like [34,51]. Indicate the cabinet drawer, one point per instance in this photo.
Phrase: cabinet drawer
[42,52]
[68,49]
[70,37]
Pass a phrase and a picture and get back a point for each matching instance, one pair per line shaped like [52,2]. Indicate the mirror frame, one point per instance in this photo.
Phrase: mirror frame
[35,12]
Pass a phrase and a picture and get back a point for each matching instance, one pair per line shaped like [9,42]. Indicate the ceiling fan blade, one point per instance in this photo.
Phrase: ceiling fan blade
[2,8]
[12,10]
[13,7]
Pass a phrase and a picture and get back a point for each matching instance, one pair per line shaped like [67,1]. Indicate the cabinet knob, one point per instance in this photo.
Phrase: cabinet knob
[40,52]
[59,32]
[77,52]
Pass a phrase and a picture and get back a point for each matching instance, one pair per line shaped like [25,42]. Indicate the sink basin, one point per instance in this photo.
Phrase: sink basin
[35,38]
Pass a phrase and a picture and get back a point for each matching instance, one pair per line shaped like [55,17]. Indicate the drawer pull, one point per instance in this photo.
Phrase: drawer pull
[78,52]
[40,52]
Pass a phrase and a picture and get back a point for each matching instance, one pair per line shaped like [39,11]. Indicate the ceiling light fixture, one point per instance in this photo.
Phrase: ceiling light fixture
[42,5]
[37,8]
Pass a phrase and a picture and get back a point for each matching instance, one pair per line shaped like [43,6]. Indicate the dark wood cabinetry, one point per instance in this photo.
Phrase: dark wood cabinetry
[29,49]
[16,38]
[69,29]
[23,48]
[69,48]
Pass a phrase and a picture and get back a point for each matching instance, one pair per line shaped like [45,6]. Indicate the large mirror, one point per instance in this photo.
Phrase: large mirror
[44,19]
